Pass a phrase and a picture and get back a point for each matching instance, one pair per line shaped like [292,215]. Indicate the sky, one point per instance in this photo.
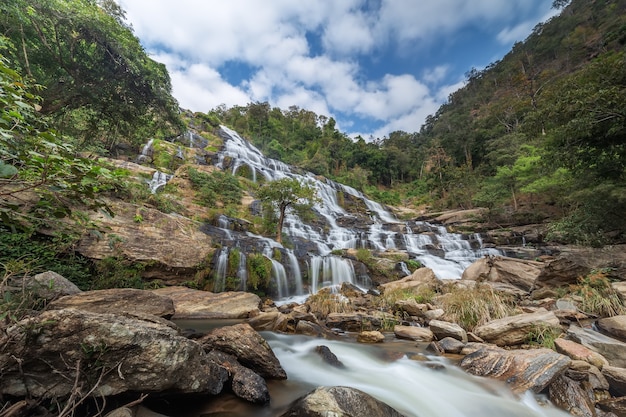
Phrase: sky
[375,66]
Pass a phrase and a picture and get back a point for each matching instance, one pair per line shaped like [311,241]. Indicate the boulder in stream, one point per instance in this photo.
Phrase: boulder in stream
[515,330]
[197,304]
[340,401]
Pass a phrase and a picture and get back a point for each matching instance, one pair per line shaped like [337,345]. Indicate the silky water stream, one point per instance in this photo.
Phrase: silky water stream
[399,373]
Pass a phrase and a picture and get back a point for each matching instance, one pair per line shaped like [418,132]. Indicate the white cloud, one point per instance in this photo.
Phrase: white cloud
[195,38]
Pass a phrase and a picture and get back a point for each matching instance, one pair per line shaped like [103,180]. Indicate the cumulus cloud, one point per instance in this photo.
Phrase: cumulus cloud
[316,54]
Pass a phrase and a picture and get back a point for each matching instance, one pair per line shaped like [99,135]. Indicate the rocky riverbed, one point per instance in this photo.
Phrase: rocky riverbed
[87,352]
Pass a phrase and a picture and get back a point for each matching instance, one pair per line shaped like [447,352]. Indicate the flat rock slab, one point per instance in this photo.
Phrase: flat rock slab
[116,301]
[514,330]
[522,370]
[196,304]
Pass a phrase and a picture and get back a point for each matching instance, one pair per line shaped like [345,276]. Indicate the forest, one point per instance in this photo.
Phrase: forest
[539,136]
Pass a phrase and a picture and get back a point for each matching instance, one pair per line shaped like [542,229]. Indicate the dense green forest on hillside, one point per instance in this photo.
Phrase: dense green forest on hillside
[538,135]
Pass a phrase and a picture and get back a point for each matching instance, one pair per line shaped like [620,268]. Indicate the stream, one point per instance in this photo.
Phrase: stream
[397,372]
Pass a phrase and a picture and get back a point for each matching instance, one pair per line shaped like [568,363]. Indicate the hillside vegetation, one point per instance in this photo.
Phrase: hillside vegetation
[538,136]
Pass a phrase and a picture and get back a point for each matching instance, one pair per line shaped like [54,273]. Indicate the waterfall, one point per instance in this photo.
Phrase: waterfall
[242,272]
[448,254]
[146,152]
[219,278]
[159,179]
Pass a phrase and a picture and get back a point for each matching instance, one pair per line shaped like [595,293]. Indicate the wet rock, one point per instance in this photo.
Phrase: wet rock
[339,401]
[514,330]
[443,329]
[117,300]
[451,345]
[568,395]
[245,383]
[522,370]
[419,334]
[40,356]
[249,347]
[613,326]
[611,349]
[329,357]
[196,304]
[520,273]
[370,336]
[577,351]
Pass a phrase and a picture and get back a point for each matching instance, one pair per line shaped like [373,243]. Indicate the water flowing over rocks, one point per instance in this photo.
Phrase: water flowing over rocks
[340,401]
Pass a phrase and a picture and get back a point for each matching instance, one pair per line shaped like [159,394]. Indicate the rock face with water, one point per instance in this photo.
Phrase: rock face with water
[113,354]
[340,401]
[172,246]
[522,370]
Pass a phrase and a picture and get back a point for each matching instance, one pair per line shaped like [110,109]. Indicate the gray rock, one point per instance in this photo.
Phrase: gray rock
[50,285]
[249,347]
[340,401]
[451,345]
[127,353]
[245,383]
[520,273]
[419,334]
[196,304]
[613,326]
[611,349]
[616,378]
[522,370]
[443,329]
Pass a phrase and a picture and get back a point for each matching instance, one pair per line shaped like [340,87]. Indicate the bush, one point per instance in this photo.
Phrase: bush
[598,296]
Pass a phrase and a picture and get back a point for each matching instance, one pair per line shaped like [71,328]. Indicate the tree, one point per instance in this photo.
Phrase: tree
[35,159]
[287,194]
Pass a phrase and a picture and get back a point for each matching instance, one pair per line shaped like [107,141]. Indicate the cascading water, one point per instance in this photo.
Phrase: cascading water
[159,179]
[448,254]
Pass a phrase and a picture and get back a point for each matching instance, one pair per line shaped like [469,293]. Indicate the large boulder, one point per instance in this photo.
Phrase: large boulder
[196,304]
[172,244]
[613,350]
[244,382]
[46,355]
[520,273]
[522,370]
[117,300]
[339,401]
[249,347]
[576,351]
[570,396]
[419,278]
[443,329]
[515,330]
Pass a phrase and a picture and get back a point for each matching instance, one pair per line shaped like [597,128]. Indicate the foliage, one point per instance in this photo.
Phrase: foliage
[117,272]
[325,302]
[216,186]
[543,335]
[598,296]
[99,84]
[473,307]
[259,269]
[287,194]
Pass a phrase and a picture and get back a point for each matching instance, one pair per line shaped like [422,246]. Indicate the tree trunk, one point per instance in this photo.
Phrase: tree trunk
[279,227]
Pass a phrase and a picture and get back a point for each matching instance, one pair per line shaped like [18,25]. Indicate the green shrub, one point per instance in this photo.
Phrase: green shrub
[259,271]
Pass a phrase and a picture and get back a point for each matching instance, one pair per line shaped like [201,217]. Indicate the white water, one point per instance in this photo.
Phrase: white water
[448,254]
[407,385]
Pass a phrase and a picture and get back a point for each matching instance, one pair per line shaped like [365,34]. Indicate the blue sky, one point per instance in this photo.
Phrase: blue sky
[376,66]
